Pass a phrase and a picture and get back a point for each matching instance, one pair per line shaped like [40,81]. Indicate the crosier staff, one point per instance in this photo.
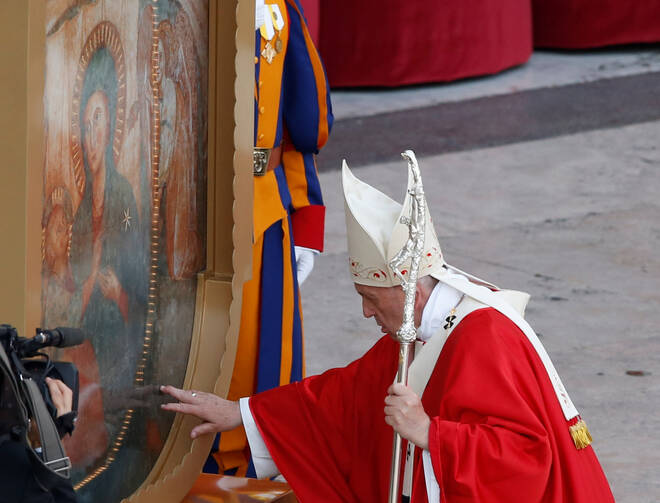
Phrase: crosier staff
[412,250]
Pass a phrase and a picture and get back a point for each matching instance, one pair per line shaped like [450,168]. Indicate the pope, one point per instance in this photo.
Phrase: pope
[485,415]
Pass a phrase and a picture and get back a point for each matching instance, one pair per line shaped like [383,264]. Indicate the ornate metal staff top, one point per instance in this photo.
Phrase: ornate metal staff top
[412,250]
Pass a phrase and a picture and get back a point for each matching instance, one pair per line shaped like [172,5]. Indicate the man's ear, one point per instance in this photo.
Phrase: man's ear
[419,295]
[420,302]
[420,291]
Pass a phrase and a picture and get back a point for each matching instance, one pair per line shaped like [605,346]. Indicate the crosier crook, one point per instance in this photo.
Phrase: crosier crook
[412,250]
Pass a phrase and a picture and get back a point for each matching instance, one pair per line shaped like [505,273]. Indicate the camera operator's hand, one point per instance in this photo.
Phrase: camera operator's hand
[61,396]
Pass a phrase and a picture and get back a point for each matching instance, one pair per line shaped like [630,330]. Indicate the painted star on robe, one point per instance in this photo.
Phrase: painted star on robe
[126,221]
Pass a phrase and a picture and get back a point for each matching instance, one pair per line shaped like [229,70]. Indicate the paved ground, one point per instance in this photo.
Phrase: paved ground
[571,218]
[496,120]
[544,69]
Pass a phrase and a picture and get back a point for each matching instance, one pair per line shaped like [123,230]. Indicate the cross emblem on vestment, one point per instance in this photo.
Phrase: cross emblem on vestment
[269,53]
[450,320]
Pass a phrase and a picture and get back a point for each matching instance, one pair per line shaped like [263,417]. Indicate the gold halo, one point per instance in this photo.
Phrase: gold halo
[103,35]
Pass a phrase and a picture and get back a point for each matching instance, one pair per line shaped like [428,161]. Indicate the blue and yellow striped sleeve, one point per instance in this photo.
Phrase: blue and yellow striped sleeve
[307,115]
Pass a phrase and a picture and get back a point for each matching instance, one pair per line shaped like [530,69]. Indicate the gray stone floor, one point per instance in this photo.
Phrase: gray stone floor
[574,221]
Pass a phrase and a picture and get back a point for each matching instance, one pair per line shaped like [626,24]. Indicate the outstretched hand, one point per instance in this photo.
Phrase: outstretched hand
[404,412]
[216,413]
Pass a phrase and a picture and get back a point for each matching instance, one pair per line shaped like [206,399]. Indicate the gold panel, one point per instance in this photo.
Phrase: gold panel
[21,148]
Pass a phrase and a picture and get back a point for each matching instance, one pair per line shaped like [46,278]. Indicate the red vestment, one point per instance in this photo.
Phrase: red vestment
[497,431]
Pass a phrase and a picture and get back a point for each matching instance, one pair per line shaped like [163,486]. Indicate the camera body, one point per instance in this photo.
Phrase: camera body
[25,360]
[63,371]
[33,463]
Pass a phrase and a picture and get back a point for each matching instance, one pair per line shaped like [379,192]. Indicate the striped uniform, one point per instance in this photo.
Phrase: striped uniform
[292,108]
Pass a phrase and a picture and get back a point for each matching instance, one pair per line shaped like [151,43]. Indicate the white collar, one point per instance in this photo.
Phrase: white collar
[443,299]
[259,16]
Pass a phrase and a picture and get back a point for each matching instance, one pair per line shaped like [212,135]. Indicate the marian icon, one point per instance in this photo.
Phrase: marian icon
[123,222]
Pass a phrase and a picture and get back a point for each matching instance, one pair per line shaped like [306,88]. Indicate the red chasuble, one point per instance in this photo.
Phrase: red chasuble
[497,431]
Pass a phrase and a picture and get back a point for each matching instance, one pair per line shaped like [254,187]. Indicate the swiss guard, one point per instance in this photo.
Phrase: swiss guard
[292,120]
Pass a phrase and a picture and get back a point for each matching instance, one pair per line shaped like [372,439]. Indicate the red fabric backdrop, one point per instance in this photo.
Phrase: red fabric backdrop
[312,11]
[394,42]
[573,24]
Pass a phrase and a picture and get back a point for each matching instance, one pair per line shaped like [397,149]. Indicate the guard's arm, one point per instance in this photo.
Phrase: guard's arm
[308,119]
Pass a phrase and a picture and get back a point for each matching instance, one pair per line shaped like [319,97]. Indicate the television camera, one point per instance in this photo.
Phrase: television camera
[27,412]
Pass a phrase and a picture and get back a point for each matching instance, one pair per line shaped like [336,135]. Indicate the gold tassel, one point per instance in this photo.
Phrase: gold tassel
[580,434]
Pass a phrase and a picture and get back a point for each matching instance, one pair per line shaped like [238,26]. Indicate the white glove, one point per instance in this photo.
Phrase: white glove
[304,262]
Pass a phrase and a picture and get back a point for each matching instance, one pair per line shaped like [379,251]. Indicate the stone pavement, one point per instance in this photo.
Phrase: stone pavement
[544,69]
[573,220]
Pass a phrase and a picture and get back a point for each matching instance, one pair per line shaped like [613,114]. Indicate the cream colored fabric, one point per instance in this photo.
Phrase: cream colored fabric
[489,298]
[376,234]
[427,355]
[422,366]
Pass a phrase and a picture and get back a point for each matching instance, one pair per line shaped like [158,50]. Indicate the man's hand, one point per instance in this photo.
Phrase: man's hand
[404,412]
[217,413]
[60,395]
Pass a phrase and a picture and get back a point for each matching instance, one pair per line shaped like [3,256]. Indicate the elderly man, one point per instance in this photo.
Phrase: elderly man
[485,415]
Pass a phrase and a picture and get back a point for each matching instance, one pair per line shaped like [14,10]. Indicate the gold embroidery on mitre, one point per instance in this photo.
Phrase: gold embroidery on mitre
[429,259]
[360,271]
[580,434]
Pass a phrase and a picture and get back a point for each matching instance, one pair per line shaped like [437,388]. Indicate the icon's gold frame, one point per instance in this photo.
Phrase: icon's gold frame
[229,194]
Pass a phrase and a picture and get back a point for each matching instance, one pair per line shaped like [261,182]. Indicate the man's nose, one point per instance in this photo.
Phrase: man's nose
[367,311]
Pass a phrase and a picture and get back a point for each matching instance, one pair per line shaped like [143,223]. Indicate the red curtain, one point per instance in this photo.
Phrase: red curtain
[396,42]
[312,12]
[574,24]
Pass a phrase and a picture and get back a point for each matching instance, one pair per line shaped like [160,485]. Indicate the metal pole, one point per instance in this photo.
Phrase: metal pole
[412,251]
[405,355]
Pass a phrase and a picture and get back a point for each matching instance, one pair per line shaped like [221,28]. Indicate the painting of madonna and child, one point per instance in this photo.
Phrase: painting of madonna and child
[123,222]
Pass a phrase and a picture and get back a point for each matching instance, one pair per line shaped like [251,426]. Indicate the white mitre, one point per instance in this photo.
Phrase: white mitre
[376,234]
